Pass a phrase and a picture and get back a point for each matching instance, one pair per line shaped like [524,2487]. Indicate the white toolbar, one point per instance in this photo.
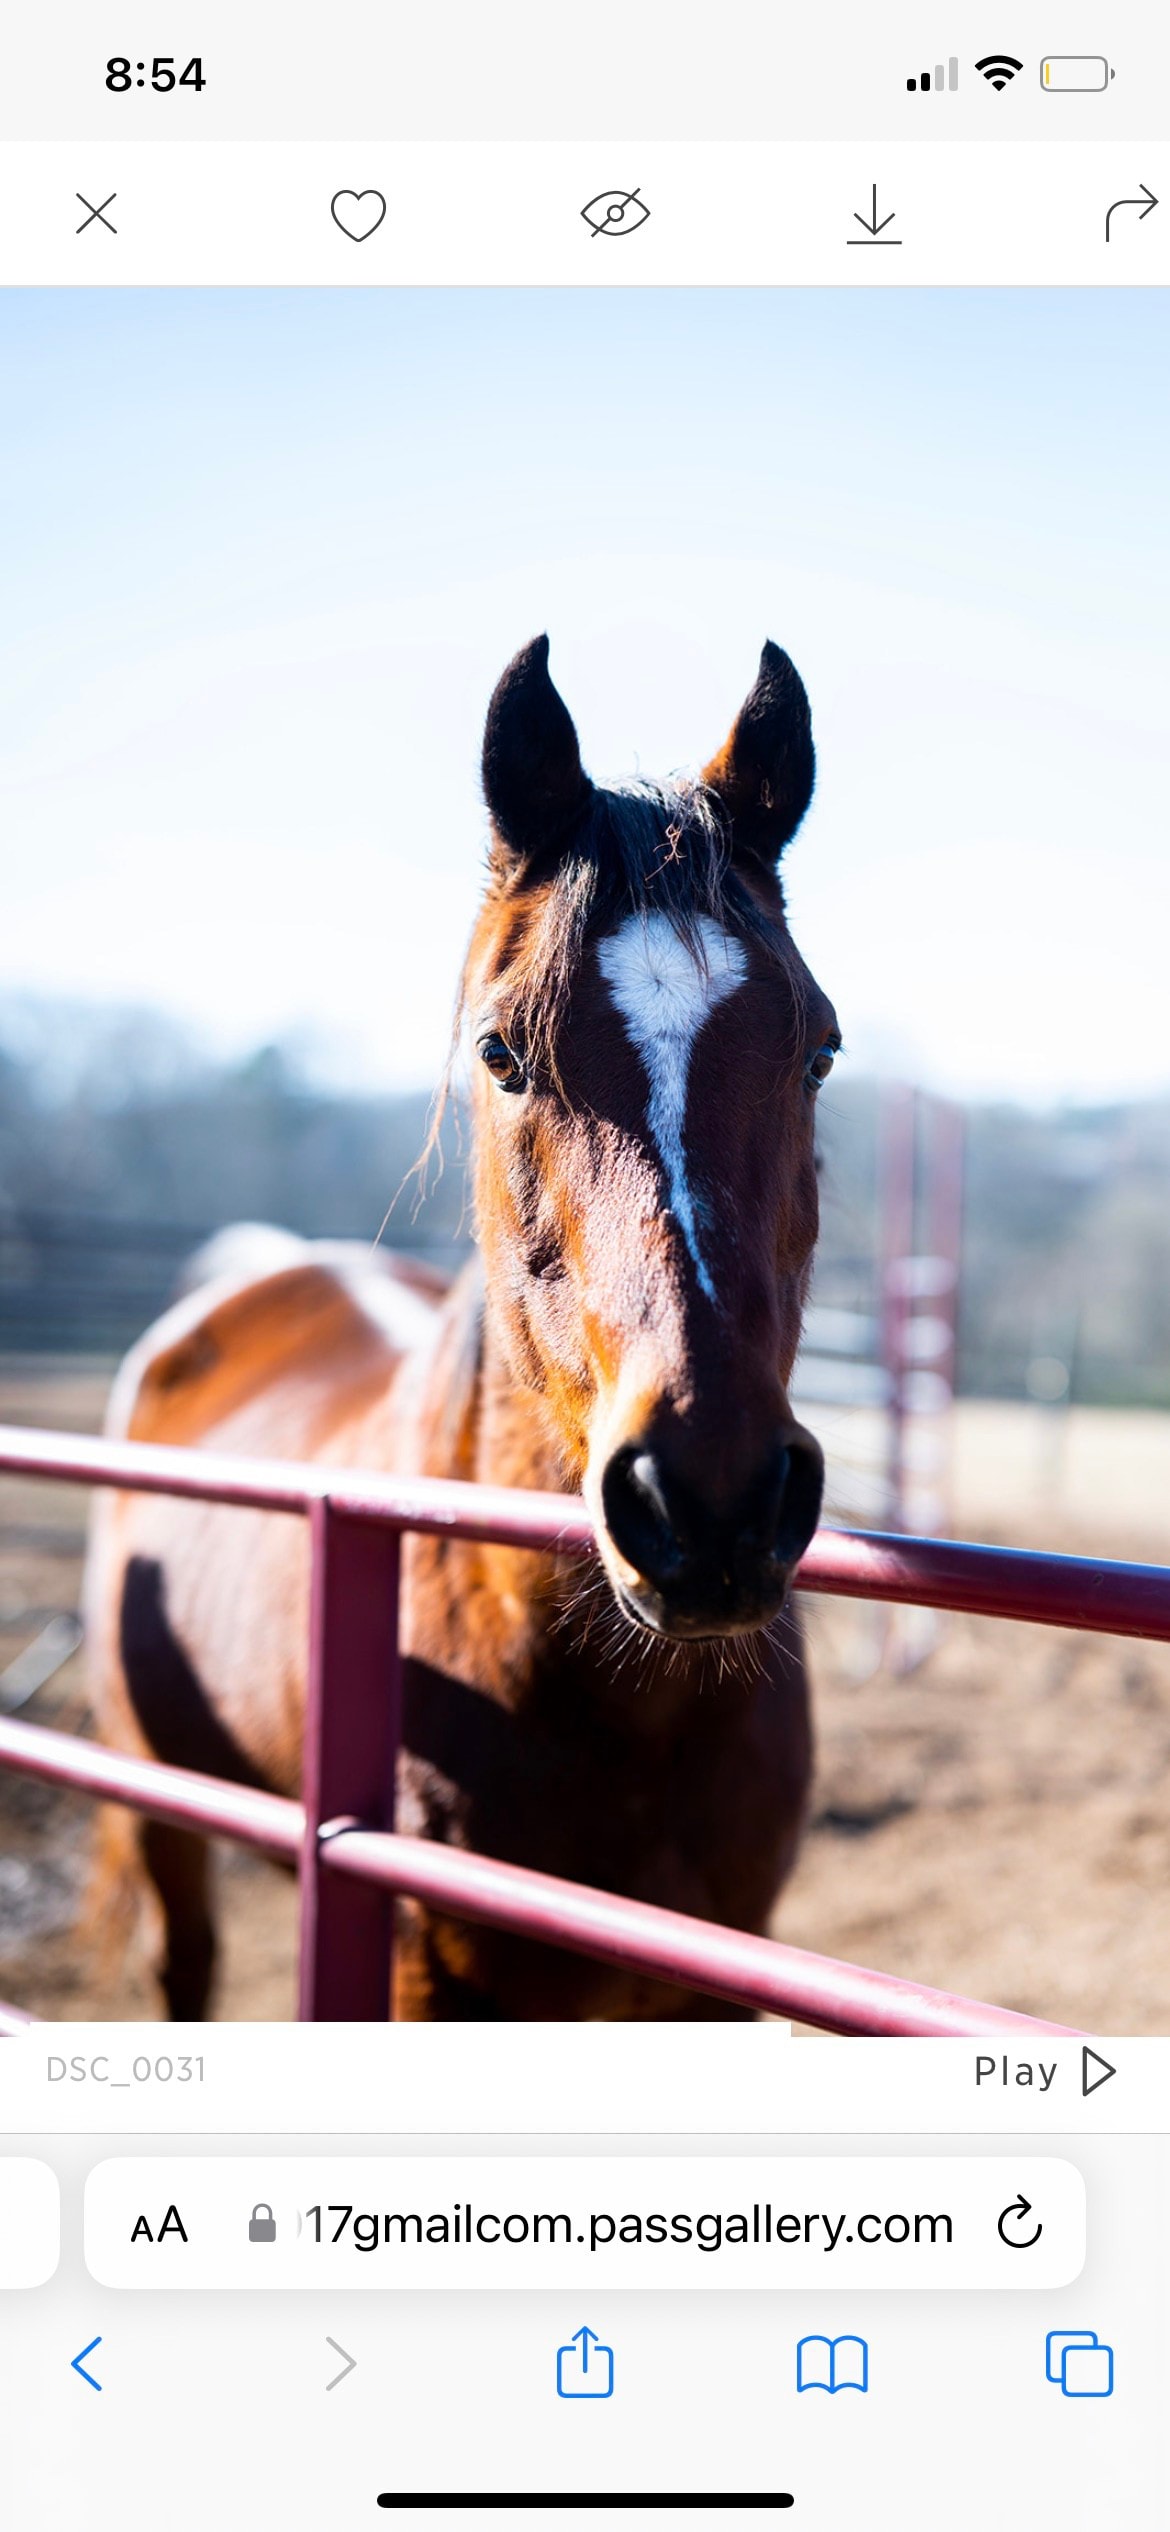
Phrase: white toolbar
[612,213]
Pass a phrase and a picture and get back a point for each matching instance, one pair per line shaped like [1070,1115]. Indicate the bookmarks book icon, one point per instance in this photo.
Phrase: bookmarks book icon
[832,2364]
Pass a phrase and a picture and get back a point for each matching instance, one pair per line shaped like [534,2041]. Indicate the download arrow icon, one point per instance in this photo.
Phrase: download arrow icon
[873,227]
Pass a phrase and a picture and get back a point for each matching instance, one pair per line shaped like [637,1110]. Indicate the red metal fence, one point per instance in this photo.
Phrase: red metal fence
[896,1356]
[352,1864]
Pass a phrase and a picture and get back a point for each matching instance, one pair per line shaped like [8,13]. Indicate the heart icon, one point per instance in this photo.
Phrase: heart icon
[359,214]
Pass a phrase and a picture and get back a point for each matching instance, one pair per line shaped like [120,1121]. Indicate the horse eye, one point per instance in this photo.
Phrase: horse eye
[502,1064]
[820,1065]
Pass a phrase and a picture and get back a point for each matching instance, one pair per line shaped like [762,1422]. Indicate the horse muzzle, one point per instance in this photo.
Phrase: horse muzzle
[687,1567]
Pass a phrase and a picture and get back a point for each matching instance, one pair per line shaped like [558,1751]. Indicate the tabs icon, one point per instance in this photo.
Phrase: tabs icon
[1077,2360]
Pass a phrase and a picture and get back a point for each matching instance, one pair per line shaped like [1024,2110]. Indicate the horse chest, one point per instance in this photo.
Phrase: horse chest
[701,1816]
[669,1776]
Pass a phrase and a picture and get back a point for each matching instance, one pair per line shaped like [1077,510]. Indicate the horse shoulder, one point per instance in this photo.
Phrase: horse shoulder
[197,1613]
[279,1359]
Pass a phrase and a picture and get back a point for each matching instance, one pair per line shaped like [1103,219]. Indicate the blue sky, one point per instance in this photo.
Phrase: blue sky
[266,552]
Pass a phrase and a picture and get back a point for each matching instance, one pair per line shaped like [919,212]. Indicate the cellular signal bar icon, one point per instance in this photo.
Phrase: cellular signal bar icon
[927,79]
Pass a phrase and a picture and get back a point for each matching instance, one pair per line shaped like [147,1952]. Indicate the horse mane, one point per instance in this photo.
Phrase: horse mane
[641,847]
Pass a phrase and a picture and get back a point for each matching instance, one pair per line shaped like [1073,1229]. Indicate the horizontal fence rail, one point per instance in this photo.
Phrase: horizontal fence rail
[1098,1597]
[353,1866]
[748,1969]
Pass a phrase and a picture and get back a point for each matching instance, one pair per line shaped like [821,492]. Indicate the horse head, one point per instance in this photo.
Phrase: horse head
[648,1044]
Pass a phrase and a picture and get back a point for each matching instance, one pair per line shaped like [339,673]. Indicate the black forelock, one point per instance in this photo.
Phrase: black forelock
[640,848]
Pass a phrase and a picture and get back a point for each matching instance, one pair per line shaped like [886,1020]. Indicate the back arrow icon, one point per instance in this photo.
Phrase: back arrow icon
[1132,202]
[77,2364]
[347,2368]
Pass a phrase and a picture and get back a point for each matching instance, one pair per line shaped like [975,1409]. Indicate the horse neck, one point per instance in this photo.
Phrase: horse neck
[535,1628]
[477,1421]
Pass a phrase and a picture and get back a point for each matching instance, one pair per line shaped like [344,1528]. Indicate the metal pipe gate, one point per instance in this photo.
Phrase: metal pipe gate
[352,1865]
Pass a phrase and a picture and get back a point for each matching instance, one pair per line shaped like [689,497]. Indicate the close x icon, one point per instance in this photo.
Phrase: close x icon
[96,211]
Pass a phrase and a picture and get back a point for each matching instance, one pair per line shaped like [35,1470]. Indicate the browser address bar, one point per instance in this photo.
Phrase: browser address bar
[567,2220]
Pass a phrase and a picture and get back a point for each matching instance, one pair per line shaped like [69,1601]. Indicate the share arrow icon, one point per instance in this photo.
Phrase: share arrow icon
[585,2368]
[1142,203]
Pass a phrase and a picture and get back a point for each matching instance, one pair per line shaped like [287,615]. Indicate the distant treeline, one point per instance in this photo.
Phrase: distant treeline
[122,1153]
[121,1149]
[1066,1243]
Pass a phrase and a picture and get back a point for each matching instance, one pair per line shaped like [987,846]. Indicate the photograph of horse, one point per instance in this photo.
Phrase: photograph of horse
[645,1045]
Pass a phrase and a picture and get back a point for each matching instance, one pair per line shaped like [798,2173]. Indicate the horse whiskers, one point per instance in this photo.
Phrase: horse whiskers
[588,1599]
[783,1633]
[590,1609]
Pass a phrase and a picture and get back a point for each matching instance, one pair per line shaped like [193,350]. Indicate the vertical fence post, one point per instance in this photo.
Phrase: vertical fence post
[897,1189]
[944,1194]
[352,1729]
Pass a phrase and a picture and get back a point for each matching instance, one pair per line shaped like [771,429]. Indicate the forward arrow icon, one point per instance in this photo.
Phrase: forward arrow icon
[347,2368]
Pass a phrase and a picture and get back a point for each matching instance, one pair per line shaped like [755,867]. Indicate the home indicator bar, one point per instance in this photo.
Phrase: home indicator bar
[581,2499]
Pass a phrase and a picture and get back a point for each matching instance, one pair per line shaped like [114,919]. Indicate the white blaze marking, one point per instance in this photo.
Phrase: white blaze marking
[664,995]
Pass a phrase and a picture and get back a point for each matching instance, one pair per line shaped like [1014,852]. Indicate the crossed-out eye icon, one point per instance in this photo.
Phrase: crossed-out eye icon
[616,214]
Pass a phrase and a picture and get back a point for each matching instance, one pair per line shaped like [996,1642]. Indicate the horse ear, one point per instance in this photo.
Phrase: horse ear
[764,772]
[534,783]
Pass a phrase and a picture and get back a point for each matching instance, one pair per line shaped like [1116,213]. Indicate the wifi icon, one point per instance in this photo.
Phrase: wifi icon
[998,68]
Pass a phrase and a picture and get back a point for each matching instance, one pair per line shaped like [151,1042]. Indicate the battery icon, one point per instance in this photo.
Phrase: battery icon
[1075,74]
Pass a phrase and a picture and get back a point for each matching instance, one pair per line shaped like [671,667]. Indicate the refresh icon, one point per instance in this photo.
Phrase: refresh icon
[1011,2219]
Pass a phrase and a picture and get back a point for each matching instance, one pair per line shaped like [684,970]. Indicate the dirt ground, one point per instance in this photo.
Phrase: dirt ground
[994,1818]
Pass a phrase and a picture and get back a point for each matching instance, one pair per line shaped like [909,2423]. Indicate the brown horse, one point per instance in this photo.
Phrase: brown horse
[647,1045]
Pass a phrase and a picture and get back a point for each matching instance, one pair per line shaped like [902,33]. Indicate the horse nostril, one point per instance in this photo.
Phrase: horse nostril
[776,1519]
[647,1481]
[678,1544]
[798,1501]
[638,1516]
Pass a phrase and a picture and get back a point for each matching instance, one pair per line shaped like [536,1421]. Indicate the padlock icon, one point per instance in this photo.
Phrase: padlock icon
[262,2227]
